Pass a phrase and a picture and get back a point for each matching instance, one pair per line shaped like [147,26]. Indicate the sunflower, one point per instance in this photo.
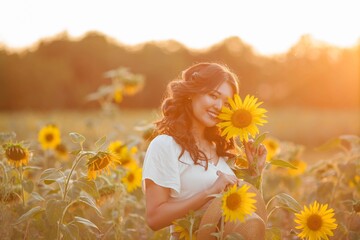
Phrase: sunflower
[300,165]
[272,147]
[118,95]
[237,203]
[132,179]
[183,232]
[49,137]
[241,117]
[316,222]
[62,152]
[125,155]
[16,154]
[101,161]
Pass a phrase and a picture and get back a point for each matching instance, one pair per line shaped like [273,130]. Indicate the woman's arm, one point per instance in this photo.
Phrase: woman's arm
[162,210]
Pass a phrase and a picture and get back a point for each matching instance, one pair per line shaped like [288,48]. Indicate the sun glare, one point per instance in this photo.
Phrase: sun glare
[269,27]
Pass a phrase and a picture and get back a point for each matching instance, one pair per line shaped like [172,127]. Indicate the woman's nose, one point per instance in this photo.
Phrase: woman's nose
[218,104]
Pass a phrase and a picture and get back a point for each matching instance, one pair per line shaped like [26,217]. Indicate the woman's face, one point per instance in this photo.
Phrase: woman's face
[206,107]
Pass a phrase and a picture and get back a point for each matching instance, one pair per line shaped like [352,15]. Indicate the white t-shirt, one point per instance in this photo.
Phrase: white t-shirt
[184,178]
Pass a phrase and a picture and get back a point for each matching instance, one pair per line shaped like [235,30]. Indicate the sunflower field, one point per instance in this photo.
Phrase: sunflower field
[78,176]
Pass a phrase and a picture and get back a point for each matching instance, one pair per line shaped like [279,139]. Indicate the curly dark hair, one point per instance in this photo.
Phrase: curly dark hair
[176,109]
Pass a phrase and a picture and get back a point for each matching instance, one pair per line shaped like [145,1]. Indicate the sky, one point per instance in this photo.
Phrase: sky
[269,26]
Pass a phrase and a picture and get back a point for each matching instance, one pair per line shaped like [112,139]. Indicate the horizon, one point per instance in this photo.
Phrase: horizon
[270,28]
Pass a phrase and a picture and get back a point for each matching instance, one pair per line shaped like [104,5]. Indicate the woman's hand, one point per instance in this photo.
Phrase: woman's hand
[222,182]
[256,157]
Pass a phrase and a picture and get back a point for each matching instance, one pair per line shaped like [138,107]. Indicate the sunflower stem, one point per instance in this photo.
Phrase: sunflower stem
[222,223]
[22,185]
[77,161]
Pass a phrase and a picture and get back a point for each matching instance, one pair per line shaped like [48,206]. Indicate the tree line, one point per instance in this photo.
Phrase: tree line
[59,73]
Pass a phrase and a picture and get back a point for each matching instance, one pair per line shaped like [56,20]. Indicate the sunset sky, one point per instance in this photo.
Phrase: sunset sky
[269,26]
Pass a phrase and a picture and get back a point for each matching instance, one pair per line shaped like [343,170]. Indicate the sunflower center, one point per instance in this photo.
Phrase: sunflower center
[49,137]
[118,149]
[233,201]
[125,161]
[241,118]
[15,153]
[60,148]
[131,177]
[314,222]
[100,163]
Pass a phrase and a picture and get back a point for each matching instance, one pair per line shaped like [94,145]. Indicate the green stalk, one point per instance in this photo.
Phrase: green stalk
[77,161]
[22,186]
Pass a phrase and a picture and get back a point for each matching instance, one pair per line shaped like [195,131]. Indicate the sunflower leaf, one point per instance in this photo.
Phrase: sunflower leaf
[273,234]
[282,163]
[85,222]
[77,137]
[87,186]
[260,138]
[28,186]
[234,236]
[88,201]
[100,142]
[70,231]
[54,210]
[29,214]
[288,201]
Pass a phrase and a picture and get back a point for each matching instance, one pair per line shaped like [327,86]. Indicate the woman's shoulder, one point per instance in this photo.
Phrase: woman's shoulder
[163,140]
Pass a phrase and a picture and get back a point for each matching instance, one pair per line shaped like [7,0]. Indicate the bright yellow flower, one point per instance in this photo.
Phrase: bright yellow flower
[125,155]
[132,180]
[301,167]
[237,203]
[118,95]
[316,222]
[355,181]
[101,161]
[49,137]
[183,232]
[272,146]
[16,154]
[241,118]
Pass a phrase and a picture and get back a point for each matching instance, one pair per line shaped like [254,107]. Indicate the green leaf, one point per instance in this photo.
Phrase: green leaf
[282,163]
[260,138]
[99,143]
[216,234]
[37,196]
[288,201]
[330,144]
[70,232]
[273,234]
[86,222]
[234,236]
[28,186]
[77,137]
[54,210]
[29,214]
[90,203]
[87,186]
[51,175]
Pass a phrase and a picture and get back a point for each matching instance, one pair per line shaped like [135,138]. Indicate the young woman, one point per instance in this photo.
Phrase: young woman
[186,162]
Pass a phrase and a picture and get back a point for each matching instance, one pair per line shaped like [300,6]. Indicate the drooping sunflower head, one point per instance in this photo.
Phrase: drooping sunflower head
[316,222]
[241,117]
[49,137]
[17,154]
[102,161]
[237,203]
[132,179]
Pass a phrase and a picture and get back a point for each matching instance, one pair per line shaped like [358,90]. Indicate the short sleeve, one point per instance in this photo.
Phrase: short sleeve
[161,163]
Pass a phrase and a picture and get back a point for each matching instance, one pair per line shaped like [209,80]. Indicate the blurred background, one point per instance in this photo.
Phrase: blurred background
[301,58]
